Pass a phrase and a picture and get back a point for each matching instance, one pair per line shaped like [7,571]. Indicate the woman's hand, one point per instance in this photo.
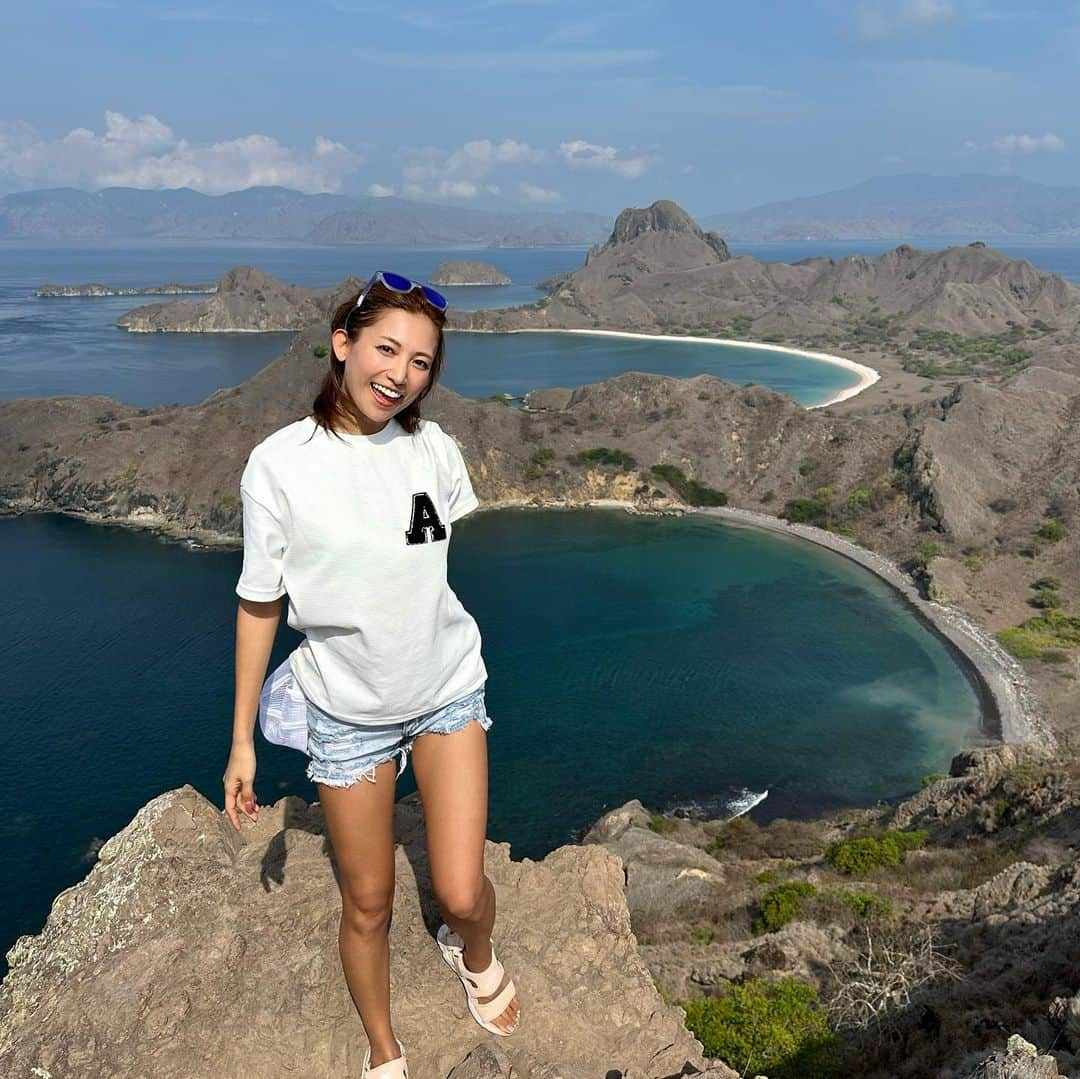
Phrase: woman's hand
[239,780]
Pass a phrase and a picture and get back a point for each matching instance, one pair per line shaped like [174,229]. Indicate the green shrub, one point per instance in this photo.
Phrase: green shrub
[924,551]
[1049,631]
[321,351]
[659,823]
[865,905]
[1052,583]
[543,456]
[858,499]
[773,876]
[780,905]
[777,1028]
[690,491]
[601,455]
[1051,531]
[807,468]
[933,777]
[1022,777]
[856,857]
[808,511]
[702,935]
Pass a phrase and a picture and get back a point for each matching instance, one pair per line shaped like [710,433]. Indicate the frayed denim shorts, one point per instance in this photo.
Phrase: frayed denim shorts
[341,753]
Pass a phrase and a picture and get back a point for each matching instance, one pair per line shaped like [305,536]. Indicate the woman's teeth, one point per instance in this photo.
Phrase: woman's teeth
[385,395]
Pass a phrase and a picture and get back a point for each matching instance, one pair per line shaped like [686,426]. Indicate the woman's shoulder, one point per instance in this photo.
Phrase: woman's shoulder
[283,438]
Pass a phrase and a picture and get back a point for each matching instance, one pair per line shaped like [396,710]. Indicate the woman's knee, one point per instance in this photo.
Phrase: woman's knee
[464,901]
[367,914]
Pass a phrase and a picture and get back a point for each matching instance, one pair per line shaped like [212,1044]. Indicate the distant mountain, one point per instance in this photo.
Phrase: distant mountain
[278,213]
[897,207]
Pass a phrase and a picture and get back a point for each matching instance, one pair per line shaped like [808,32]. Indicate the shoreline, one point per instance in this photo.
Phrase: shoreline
[867,375]
[1005,698]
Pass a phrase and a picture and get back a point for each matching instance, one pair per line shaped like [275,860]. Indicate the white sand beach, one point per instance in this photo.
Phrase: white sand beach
[867,375]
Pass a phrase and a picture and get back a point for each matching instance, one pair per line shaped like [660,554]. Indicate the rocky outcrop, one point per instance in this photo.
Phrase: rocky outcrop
[996,885]
[461,272]
[244,299]
[194,950]
[985,446]
[663,216]
[660,272]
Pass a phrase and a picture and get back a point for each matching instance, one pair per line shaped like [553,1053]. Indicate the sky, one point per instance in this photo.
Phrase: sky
[537,104]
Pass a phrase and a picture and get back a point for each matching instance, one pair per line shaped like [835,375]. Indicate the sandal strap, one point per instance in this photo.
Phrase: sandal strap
[493,1008]
[481,983]
[389,1069]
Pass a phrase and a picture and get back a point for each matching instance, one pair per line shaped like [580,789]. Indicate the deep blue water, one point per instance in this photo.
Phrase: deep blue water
[666,659]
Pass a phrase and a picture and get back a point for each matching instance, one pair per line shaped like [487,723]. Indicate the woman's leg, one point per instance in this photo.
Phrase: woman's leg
[452,777]
[360,820]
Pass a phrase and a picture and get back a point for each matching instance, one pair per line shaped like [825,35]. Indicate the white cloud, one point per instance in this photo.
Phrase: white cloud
[879,19]
[146,153]
[534,193]
[380,191]
[1028,144]
[589,155]
[430,172]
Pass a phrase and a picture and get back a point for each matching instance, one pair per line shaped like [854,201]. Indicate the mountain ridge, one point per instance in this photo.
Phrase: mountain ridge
[911,205]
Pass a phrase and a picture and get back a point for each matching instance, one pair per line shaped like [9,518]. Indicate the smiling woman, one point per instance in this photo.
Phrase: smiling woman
[387,354]
[351,515]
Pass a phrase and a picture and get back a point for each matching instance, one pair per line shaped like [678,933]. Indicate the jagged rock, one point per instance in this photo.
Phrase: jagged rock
[947,581]
[194,950]
[1020,1060]
[662,216]
[484,1062]
[245,298]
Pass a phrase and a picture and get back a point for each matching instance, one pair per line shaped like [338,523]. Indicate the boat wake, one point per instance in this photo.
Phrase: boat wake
[727,806]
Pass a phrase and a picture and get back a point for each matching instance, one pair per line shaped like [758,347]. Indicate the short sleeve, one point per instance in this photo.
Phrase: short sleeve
[462,497]
[264,538]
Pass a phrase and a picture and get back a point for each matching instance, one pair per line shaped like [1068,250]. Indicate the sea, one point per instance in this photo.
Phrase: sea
[688,664]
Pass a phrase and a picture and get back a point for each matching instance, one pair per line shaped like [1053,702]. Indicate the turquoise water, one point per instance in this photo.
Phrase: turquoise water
[666,659]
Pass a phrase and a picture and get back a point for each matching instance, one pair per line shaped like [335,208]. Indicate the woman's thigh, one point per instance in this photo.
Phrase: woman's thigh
[354,769]
[449,758]
[360,823]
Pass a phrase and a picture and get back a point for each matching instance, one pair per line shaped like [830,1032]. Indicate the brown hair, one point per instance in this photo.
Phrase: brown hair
[333,401]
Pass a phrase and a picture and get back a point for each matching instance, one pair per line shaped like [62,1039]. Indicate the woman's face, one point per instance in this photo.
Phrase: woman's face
[396,352]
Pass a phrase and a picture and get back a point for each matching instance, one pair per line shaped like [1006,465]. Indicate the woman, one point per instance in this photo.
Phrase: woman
[349,511]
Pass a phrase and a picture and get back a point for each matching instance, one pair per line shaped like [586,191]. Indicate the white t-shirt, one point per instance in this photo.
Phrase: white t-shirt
[356,530]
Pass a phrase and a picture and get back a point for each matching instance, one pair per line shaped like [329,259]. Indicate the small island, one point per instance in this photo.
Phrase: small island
[94,289]
[458,272]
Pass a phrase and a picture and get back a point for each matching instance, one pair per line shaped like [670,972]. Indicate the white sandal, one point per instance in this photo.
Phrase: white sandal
[478,983]
[398,1068]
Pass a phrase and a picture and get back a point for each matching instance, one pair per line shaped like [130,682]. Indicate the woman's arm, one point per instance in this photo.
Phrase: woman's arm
[256,628]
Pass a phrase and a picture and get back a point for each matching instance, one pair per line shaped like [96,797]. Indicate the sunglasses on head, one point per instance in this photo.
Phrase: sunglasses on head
[396,283]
